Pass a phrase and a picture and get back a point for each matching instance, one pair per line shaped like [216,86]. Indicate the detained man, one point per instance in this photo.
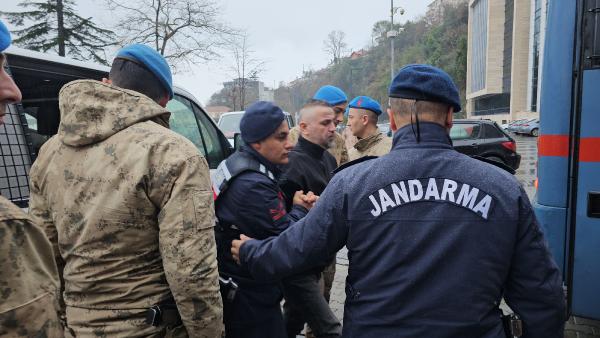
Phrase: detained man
[310,168]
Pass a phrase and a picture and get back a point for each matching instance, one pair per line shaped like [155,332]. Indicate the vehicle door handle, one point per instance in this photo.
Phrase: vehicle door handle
[593,210]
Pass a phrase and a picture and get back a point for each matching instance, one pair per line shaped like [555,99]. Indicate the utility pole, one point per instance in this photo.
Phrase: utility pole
[391,34]
[392,41]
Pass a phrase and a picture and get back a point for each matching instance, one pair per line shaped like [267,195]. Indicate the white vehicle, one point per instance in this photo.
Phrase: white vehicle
[229,123]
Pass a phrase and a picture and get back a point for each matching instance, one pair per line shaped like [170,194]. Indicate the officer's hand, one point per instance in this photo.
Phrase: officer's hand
[299,199]
[310,198]
[236,245]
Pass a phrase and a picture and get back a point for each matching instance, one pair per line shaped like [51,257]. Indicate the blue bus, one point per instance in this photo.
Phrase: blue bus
[568,195]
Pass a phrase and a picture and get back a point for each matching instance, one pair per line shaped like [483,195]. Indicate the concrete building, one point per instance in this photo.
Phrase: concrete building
[504,56]
[254,90]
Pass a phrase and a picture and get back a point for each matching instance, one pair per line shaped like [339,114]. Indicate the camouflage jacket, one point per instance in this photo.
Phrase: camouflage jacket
[128,205]
[338,150]
[374,145]
[29,284]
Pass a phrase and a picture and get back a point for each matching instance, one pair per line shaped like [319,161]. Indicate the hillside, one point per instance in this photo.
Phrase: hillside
[442,44]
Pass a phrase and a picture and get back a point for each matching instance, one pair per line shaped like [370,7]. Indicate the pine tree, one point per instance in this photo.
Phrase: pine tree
[56,26]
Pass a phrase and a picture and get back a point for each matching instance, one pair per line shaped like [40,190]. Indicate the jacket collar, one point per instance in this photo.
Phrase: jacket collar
[365,143]
[275,169]
[312,149]
[92,111]
[432,135]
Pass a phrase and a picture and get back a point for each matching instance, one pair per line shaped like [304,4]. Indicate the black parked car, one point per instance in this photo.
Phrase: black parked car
[486,139]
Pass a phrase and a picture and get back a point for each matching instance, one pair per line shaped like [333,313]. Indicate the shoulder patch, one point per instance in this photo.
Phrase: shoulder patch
[351,163]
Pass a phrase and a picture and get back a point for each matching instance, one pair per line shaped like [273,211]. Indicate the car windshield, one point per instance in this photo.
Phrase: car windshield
[464,131]
[230,124]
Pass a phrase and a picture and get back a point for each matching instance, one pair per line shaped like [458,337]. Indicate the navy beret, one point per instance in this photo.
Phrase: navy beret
[331,95]
[5,39]
[365,102]
[150,59]
[260,120]
[425,83]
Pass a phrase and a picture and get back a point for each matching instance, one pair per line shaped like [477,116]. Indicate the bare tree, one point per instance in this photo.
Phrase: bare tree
[244,68]
[56,25]
[183,31]
[335,45]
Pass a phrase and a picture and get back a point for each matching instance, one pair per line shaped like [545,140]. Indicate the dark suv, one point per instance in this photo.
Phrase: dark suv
[486,139]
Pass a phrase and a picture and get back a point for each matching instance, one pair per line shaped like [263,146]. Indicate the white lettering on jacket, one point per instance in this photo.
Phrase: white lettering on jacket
[431,189]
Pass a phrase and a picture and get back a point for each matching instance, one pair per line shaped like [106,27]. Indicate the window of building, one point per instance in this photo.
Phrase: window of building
[536,53]
[479,12]
[491,105]
[508,45]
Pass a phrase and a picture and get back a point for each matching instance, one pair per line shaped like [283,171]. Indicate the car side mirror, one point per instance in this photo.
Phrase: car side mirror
[237,141]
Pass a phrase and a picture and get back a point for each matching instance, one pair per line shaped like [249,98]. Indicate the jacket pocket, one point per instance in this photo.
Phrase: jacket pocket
[200,210]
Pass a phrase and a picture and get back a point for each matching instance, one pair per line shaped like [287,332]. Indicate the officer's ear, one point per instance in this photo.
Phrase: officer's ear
[302,125]
[392,121]
[365,118]
[449,118]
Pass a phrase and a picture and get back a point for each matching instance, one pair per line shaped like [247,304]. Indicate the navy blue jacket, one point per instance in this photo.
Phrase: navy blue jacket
[435,239]
[254,204]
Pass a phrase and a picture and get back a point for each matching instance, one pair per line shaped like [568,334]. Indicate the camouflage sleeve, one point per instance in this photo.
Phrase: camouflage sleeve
[342,153]
[39,212]
[188,249]
[344,157]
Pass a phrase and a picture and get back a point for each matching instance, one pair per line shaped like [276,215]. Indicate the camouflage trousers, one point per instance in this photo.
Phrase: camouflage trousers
[326,284]
[117,323]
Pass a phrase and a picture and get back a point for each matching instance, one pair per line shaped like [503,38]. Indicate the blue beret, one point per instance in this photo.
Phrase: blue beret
[331,95]
[365,102]
[150,59]
[260,120]
[5,39]
[425,83]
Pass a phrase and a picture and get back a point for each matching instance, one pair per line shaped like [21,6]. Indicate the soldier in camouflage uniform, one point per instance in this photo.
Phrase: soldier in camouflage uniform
[128,207]
[363,114]
[29,284]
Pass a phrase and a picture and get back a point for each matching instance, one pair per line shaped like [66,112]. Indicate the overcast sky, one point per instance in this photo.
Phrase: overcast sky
[288,35]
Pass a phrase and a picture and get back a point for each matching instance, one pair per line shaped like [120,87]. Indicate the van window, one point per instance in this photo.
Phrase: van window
[215,153]
[183,121]
[190,121]
[15,160]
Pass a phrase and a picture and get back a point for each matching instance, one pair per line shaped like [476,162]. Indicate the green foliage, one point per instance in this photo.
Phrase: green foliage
[55,25]
[442,44]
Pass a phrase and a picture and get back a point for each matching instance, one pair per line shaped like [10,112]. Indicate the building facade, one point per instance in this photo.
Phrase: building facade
[504,57]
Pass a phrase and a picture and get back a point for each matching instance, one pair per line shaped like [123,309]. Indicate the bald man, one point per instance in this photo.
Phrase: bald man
[310,169]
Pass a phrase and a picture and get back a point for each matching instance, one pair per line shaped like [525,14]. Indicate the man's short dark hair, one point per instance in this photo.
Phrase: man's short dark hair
[130,75]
